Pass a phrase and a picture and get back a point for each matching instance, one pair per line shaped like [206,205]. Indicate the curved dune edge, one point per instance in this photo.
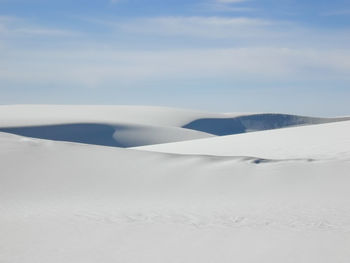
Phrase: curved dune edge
[122,135]
[321,141]
[133,126]
[69,202]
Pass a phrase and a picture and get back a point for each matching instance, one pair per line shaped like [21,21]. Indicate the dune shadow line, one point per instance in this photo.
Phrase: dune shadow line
[257,122]
[89,133]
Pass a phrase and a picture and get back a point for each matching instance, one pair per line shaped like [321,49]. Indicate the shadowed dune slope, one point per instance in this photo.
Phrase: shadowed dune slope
[321,141]
[132,126]
[254,122]
[108,135]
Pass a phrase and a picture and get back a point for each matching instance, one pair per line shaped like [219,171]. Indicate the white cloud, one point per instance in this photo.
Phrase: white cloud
[44,32]
[234,31]
[16,27]
[209,27]
[230,1]
[6,19]
[264,55]
[225,6]
[2,28]
[337,12]
[98,67]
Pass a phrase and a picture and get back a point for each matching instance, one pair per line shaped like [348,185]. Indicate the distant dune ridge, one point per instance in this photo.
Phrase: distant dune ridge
[254,122]
[179,192]
[128,126]
[322,141]
[127,135]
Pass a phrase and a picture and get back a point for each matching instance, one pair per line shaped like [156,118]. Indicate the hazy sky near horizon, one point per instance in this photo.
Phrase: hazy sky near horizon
[288,56]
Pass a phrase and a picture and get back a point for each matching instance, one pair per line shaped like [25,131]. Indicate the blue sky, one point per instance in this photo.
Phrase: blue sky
[288,56]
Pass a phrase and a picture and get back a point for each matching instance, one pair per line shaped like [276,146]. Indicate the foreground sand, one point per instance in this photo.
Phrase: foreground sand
[71,202]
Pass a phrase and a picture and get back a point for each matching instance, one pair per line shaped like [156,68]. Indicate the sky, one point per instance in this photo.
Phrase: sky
[290,56]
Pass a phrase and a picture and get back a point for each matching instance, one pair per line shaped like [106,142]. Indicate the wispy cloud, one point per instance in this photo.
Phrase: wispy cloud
[230,1]
[273,50]
[226,6]
[133,67]
[45,32]
[16,27]
[234,31]
[337,12]
[208,27]
[7,19]
[217,7]
[115,1]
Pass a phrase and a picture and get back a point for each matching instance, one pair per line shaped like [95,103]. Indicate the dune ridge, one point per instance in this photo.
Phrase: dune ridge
[132,126]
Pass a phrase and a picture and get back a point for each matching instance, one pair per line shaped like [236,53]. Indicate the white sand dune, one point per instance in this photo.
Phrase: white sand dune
[117,135]
[119,126]
[265,201]
[322,141]
[128,126]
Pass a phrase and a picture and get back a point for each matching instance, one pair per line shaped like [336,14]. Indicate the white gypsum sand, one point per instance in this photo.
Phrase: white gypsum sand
[131,126]
[322,141]
[269,196]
